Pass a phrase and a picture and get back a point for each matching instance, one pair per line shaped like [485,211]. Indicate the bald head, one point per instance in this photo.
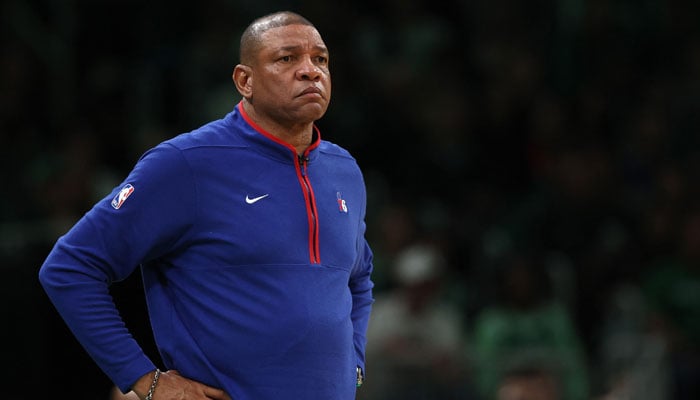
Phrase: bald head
[251,37]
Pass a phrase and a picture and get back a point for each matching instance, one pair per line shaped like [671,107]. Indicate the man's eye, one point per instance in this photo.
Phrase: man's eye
[286,58]
[322,59]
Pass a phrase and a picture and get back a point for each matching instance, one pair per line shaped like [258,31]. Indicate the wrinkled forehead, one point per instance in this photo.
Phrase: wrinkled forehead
[293,35]
[293,32]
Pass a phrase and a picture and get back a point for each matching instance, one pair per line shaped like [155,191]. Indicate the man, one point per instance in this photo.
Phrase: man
[249,234]
[528,383]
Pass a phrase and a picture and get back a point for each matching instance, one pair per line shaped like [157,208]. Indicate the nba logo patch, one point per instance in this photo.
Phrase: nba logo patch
[342,206]
[121,197]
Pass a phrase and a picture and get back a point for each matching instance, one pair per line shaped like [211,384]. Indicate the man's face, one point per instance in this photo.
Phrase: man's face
[291,83]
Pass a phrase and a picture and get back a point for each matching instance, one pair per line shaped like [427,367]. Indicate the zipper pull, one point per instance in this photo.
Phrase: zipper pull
[303,160]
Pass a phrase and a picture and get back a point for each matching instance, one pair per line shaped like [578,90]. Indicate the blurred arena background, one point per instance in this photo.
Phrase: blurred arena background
[532,170]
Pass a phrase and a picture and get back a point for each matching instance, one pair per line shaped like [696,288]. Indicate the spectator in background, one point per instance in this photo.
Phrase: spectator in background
[671,289]
[528,384]
[414,339]
[631,362]
[525,327]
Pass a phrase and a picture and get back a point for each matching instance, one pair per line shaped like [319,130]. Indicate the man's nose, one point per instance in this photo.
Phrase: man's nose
[308,71]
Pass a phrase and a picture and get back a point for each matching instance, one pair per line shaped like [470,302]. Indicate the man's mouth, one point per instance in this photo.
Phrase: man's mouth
[311,90]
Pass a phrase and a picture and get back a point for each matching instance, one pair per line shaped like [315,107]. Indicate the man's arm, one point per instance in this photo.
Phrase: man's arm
[362,299]
[137,222]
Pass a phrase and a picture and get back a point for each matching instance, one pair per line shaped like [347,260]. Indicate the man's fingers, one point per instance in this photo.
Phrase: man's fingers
[216,394]
[210,392]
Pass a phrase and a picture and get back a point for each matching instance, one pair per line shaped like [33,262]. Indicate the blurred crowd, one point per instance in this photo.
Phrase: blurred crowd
[531,170]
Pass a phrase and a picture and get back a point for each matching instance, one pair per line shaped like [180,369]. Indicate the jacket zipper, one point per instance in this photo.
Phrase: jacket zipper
[312,213]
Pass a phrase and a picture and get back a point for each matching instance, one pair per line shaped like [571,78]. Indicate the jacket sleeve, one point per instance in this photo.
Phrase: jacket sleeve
[143,218]
[362,299]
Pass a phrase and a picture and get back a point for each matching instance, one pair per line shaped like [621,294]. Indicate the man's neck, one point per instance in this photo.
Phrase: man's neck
[298,135]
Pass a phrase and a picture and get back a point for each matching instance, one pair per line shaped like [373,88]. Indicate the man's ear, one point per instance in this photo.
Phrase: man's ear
[243,79]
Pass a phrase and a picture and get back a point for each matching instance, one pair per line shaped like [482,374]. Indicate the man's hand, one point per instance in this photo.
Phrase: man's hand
[173,386]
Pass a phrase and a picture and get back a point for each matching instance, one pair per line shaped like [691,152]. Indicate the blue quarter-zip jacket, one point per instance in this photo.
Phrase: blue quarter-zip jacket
[254,261]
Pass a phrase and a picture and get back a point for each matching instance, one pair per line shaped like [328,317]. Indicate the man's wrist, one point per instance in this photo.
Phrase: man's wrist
[154,383]
[143,385]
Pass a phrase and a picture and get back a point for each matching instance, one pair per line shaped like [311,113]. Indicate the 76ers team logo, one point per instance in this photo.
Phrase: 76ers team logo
[121,197]
[342,206]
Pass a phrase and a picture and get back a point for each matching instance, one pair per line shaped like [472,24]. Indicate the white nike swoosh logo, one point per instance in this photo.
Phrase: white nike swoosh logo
[254,199]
